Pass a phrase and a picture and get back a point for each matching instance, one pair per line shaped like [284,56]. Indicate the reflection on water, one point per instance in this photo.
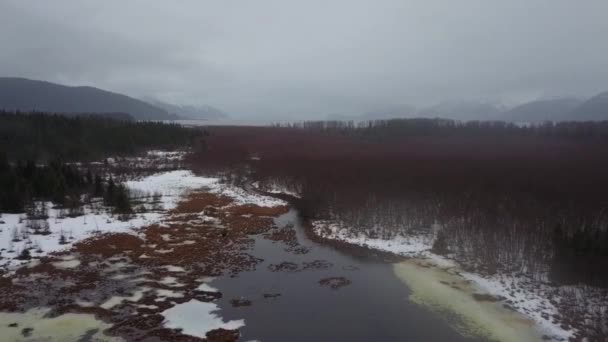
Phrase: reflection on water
[374,307]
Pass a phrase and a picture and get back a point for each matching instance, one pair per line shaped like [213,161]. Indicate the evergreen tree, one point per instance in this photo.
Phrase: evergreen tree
[109,195]
[98,187]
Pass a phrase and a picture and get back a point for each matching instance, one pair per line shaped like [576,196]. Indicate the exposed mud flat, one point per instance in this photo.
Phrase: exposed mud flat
[470,312]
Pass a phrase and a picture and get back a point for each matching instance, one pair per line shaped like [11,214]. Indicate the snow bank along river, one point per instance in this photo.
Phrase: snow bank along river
[469,302]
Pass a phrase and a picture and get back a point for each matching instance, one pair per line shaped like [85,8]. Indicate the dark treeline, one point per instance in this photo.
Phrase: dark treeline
[446,127]
[44,137]
[23,183]
[518,199]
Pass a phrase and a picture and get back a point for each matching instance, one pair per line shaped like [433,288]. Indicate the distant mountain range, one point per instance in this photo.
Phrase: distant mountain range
[555,109]
[27,95]
[560,109]
[403,111]
[203,112]
[595,108]
[456,110]
[463,110]
[543,110]
[24,94]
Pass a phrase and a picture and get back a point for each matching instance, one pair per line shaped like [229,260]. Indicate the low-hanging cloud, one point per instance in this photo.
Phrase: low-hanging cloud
[307,59]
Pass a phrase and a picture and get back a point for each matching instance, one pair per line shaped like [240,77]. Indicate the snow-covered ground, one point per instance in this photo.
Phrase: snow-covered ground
[155,159]
[168,187]
[241,196]
[171,185]
[529,299]
[276,188]
[408,246]
[175,184]
[72,228]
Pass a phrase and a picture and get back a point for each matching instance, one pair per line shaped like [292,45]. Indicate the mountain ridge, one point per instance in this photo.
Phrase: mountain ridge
[200,112]
[26,94]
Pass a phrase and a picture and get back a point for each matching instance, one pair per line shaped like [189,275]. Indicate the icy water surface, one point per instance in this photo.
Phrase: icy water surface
[374,306]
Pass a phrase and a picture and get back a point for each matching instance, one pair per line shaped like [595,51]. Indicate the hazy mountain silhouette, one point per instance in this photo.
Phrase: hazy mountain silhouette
[204,112]
[456,110]
[25,94]
[404,111]
[593,109]
[556,109]
[462,110]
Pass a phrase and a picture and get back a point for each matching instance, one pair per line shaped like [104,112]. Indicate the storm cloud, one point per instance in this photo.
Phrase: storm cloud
[308,59]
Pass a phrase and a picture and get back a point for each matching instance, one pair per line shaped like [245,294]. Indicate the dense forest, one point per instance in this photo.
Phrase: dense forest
[44,137]
[526,200]
[512,198]
[38,151]
[24,184]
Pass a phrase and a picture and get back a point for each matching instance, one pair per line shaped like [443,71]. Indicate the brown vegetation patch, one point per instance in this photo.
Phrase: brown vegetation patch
[240,302]
[222,335]
[109,245]
[165,261]
[256,210]
[317,265]
[199,201]
[271,295]
[284,266]
[287,235]
[335,283]
[248,225]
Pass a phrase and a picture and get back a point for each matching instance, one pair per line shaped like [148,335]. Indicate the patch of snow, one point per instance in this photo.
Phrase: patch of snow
[206,279]
[65,264]
[172,185]
[183,243]
[241,196]
[276,188]
[151,307]
[73,229]
[206,288]
[171,155]
[163,294]
[116,300]
[84,304]
[172,268]
[197,318]
[120,276]
[407,246]
[170,281]
[163,251]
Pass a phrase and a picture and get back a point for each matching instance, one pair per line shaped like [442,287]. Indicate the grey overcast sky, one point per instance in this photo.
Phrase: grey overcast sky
[310,58]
